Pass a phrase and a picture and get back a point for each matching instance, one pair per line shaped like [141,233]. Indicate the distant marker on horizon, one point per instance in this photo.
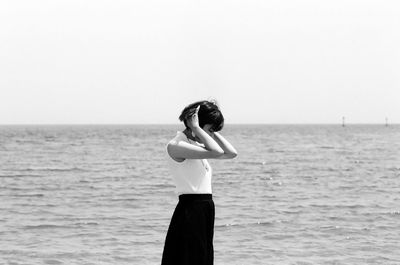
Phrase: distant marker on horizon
[343,122]
[386,122]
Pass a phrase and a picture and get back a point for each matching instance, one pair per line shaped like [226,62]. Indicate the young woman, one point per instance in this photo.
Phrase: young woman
[189,239]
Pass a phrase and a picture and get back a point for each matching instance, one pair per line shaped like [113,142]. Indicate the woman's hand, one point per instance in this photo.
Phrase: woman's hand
[193,120]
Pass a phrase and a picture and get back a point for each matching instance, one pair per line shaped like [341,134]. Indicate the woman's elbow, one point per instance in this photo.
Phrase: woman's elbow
[232,155]
[217,152]
[228,156]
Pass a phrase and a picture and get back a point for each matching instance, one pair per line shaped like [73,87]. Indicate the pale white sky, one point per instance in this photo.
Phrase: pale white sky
[125,61]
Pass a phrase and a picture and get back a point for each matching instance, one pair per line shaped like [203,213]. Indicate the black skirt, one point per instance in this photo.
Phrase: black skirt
[190,234]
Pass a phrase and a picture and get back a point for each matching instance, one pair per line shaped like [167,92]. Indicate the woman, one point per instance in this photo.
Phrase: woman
[189,240]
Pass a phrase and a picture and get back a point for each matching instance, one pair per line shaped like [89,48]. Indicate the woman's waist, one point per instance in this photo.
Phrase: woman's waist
[195,197]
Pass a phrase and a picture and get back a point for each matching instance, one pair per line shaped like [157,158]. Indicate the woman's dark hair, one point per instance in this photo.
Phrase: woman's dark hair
[209,113]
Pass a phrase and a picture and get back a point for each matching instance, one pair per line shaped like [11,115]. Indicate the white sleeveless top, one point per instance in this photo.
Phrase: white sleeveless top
[191,176]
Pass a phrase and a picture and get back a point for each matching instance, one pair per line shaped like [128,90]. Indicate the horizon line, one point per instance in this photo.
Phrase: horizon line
[153,124]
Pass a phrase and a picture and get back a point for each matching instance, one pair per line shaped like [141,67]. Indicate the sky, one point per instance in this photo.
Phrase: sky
[127,61]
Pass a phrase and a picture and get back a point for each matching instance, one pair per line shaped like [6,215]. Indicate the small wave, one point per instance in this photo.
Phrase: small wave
[253,162]
[84,181]
[330,227]
[123,199]
[73,169]
[28,142]
[268,172]
[327,147]
[338,206]
[48,169]
[160,186]
[19,176]
[52,261]
[291,212]
[46,226]
[260,223]
[86,223]
[50,138]
[29,195]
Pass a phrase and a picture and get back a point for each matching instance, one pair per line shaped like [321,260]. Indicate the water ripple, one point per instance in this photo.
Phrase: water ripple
[295,195]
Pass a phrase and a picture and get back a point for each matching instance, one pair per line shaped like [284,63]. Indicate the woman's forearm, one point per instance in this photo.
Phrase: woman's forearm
[209,143]
[224,144]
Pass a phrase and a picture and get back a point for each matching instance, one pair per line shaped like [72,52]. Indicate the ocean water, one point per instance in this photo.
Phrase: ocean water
[296,194]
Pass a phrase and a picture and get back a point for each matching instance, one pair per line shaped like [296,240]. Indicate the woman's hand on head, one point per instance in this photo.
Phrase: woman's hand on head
[193,120]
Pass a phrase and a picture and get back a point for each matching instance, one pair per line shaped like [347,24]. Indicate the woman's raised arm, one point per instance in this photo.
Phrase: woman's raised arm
[182,150]
[229,151]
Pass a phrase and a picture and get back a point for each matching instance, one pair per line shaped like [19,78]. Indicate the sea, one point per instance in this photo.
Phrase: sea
[295,194]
